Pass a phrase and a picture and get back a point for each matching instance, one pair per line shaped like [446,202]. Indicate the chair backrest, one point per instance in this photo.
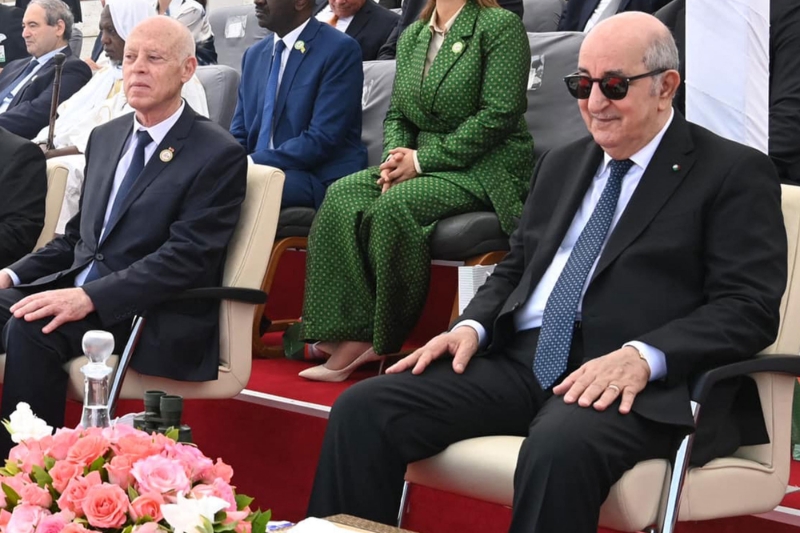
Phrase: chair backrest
[235,30]
[220,83]
[553,116]
[375,97]
[542,15]
[57,174]
[76,41]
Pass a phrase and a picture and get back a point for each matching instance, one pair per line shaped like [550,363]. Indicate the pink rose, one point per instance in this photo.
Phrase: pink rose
[16,483]
[24,518]
[161,475]
[106,506]
[72,497]
[5,516]
[114,433]
[119,471]
[240,519]
[197,465]
[87,449]
[148,504]
[148,527]
[27,454]
[62,472]
[36,495]
[53,523]
[75,527]
[62,442]
[220,470]
[137,446]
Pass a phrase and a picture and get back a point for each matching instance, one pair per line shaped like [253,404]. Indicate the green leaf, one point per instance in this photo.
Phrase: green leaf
[12,468]
[242,501]
[97,464]
[7,425]
[132,494]
[220,528]
[12,498]
[49,462]
[173,433]
[128,529]
[41,477]
[207,526]
[259,520]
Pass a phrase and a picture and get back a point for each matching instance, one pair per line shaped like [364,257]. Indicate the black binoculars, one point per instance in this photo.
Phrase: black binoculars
[162,412]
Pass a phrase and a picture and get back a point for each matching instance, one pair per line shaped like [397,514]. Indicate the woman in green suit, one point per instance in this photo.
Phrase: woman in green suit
[455,141]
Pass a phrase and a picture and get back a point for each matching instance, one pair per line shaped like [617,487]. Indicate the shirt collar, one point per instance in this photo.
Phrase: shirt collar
[642,157]
[290,38]
[433,24]
[44,58]
[160,130]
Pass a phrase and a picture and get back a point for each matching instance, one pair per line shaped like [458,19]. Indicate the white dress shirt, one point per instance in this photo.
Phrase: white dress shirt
[157,133]
[603,10]
[289,40]
[42,61]
[326,15]
[530,315]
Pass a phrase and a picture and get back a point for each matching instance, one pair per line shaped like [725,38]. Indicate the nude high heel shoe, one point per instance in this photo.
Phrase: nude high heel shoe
[323,373]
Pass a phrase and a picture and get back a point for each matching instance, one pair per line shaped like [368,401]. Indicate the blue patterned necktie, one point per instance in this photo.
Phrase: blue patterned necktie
[136,167]
[558,319]
[270,95]
[7,91]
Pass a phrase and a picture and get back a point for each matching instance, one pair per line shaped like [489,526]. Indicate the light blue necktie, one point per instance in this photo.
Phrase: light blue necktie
[558,319]
[270,95]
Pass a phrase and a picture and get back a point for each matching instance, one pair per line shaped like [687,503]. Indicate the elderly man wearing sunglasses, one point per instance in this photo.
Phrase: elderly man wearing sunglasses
[647,252]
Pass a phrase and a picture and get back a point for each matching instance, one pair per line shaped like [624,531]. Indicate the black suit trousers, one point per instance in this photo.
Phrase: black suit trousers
[566,467]
[34,361]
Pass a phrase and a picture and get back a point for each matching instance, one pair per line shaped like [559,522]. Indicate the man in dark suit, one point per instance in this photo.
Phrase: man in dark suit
[582,15]
[365,21]
[162,196]
[12,45]
[23,187]
[410,13]
[26,85]
[299,109]
[646,253]
[784,79]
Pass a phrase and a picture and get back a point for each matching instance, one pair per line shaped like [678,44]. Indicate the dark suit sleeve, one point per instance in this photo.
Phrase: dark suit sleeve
[23,185]
[784,95]
[745,259]
[388,50]
[29,117]
[338,100]
[198,237]
[238,128]
[488,301]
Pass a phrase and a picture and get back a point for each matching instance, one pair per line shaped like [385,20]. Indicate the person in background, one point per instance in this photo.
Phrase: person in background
[365,21]
[194,16]
[583,15]
[163,194]
[12,45]
[26,85]
[647,253]
[455,141]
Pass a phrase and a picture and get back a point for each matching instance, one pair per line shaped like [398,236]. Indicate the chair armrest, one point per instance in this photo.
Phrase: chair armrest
[237,294]
[779,363]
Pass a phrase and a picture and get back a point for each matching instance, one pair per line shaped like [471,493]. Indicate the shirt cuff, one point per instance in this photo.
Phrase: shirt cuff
[474,324]
[14,278]
[654,357]
[417,167]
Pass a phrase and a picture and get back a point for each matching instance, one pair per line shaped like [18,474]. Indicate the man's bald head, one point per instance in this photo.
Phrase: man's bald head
[628,45]
[159,58]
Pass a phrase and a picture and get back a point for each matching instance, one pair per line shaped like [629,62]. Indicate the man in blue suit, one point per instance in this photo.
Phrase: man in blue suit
[299,109]
[26,85]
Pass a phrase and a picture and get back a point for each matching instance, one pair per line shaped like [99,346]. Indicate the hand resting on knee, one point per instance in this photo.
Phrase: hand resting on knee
[461,342]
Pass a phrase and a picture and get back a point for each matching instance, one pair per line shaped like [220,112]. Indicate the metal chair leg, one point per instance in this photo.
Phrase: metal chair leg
[123,363]
[403,502]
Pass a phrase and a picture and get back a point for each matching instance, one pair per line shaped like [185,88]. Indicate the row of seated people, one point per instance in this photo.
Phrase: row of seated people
[644,253]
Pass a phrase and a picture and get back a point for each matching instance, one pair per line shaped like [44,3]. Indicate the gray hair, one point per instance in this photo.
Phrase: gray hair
[662,53]
[186,44]
[56,10]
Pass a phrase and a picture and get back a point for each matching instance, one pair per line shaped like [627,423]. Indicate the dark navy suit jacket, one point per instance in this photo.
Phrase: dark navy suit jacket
[29,111]
[317,122]
[371,27]
[170,235]
[578,12]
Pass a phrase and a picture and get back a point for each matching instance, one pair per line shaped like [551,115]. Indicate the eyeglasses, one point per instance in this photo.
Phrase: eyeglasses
[612,87]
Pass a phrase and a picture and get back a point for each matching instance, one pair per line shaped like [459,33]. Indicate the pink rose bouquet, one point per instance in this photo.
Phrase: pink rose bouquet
[116,480]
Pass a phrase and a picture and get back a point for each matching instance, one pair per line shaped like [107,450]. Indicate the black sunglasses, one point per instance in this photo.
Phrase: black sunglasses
[612,87]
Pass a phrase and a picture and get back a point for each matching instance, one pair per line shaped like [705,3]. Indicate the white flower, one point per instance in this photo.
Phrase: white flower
[187,515]
[24,425]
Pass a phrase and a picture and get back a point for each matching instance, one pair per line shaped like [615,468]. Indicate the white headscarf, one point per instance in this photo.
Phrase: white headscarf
[126,14]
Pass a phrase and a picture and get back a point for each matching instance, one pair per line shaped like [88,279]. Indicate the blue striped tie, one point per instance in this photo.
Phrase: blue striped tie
[270,95]
[558,319]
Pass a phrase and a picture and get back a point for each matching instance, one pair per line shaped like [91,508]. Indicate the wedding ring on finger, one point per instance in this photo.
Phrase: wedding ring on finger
[614,387]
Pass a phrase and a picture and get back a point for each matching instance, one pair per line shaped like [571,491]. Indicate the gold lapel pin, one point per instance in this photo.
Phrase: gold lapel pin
[167,154]
[457,47]
[676,168]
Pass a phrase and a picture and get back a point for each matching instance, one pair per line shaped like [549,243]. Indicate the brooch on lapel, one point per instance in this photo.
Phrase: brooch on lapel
[300,45]
[676,168]
[457,47]
[167,154]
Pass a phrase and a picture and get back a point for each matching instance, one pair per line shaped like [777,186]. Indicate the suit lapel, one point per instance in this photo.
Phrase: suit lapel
[173,142]
[450,52]
[114,150]
[360,20]
[13,72]
[296,57]
[44,71]
[670,164]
